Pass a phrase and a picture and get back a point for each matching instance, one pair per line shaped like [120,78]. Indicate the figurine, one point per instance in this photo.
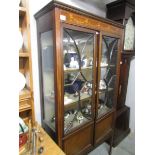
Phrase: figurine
[89,85]
[84,89]
[80,118]
[53,118]
[76,94]
[66,115]
[90,61]
[88,109]
[84,63]
[102,85]
[104,61]
[73,63]
[103,64]
[89,91]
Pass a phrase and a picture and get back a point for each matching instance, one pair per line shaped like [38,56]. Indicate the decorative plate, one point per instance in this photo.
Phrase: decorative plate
[20,40]
[22,81]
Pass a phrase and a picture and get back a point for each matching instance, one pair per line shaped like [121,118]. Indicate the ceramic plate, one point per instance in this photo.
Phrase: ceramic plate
[22,81]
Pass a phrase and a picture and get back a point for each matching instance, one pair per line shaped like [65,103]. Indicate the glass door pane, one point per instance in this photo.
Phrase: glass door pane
[78,51]
[107,69]
[48,78]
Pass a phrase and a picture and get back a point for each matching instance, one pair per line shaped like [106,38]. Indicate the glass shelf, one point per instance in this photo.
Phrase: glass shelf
[104,90]
[71,101]
[68,127]
[67,70]
[106,65]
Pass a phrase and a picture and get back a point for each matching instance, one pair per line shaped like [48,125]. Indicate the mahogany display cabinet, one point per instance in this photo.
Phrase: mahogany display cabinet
[79,65]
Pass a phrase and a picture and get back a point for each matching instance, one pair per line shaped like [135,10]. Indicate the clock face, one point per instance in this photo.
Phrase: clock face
[129,35]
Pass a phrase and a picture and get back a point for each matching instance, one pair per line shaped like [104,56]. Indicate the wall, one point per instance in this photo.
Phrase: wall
[130,98]
[34,7]
[86,6]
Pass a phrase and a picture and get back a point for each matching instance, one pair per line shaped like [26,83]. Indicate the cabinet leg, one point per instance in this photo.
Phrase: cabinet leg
[110,149]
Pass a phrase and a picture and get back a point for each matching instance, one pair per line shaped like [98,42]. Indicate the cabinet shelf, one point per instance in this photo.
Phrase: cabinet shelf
[24,94]
[23,54]
[75,124]
[76,69]
[74,100]
[104,90]
[104,66]
[22,11]
[24,107]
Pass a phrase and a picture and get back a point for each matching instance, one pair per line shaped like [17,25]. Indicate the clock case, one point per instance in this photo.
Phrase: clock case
[120,11]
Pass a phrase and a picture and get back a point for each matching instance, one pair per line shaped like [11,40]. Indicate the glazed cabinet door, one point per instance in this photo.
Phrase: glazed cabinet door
[107,75]
[79,76]
[107,85]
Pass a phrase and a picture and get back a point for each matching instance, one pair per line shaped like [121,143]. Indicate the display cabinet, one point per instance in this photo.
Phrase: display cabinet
[26,103]
[79,56]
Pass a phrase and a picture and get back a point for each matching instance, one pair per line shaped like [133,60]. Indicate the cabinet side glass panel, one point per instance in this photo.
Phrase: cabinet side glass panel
[108,76]
[78,52]
[48,78]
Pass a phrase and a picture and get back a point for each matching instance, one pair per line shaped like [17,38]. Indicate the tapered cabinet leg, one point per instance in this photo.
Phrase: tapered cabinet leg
[111,142]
